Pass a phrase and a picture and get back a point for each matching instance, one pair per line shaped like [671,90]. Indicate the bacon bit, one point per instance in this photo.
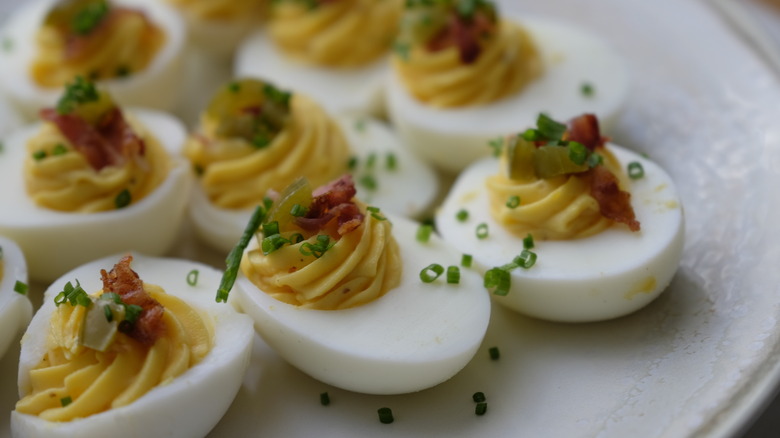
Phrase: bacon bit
[123,281]
[585,129]
[463,33]
[333,201]
[111,142]
[613,203]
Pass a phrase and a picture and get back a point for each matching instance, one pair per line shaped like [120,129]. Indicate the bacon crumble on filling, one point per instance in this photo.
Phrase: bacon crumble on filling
[333,202]
[126,283]
[110,142]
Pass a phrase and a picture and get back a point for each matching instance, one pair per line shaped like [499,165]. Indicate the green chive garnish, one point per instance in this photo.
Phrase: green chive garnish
[494,353]
[635,170]
[526,259]
[385,415]
[75,295]
[369,182]
[324,399]
[87,19]
[462,215]
[424,233]
[109,313]
[78,92]
[371,160]
[478,397]
[391,162]
[298,210]
[123,199]
[192,277]
[482,231]
[497,144]
[39,155]
[272,243]
[587,89]
[233,260]
[528,241]
[21,288]
[578,153]
[513,201]
[465,260]
[319,248]
[595,160]
[132,312]
[59,149]
[65,401]
[352,163]
[431,272]
[499,280]
[453,275]
[480,409]
[376,213]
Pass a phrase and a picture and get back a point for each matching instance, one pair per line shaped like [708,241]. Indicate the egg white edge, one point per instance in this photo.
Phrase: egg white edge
[416,347]
[15,309]
[450,138]
[573,293]
[47,236]
[229,358]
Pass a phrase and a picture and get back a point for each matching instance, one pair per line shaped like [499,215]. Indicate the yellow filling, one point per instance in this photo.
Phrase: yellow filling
[220,9]
[362,266]
[508,61]
[92,381]
[558,208]
[236,174]
[63,180]
[345,33]
[126,43]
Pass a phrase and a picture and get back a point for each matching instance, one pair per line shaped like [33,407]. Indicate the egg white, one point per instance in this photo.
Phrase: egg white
[56,241]
[192,403]
[451,139]
[10,118]
[354,90]
[595,278]
[414,337]
[408,190]
[155,87]
[15,308]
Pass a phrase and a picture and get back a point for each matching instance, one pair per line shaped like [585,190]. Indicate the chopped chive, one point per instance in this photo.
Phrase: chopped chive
[324,399]
[276,95]
[352,163]
[39,155]
[431,272]
[549,128]
[78,92]
[273,243]
[465,260]
[595,160]
[513,201]
[499,280]
[132,312]
[368,181]
[260,141]
[586,89]
[482,231]
[360,125]
[424,233]
[480,409]
[233,259]
[298,210]
[271,228]
[234,87]
[123,199]
[59,149]
[578,153]
[296,238]
[65,401]
[21,288]
[462,215]
[478,397]
[497,144]
[385,415]
[75,295]
[494,353]
[88,18]
[391,162]
[317,249]
[453,275]
[635,170]
[526,259]
[528,241]
[109,313]
[371,160]
[267,202]
[376,213]
[192,277]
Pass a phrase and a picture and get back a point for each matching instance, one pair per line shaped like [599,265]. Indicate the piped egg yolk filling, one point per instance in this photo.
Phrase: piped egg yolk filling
[95,39]
[450,69]
[74,381]
[61,177]
[236,172]
[361,266]
[335,33]
[220,9]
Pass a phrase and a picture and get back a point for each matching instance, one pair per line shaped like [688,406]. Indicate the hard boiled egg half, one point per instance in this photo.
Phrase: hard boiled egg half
[15,306]
[155,86]
[606,275]
[186,405]
[57,241]
[415,335]
[579,73]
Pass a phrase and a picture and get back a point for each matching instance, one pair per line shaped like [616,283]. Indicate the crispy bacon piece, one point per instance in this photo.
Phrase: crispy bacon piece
[333,201]
[463,33]
[585,129]
[123,281]
[111,142]
[613,203]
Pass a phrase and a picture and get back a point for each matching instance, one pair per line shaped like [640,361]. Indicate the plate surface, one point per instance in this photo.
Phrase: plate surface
[699,361]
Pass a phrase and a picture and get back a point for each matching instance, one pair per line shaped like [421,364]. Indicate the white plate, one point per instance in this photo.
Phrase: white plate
[699,361]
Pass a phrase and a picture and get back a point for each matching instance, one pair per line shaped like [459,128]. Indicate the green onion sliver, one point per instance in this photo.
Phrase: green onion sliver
[123,199]
[499,280]
[635,170]
[21,288]
[462,215]
[466,260]
[578,153]
[513,202]
[453,275]
[298,210]
[108,313]
[431,272]
[385,415]
[233,260]
[424,233]
[528,241]
[391,161]
[65,401]
[482,231]
[192,277]
[526,259]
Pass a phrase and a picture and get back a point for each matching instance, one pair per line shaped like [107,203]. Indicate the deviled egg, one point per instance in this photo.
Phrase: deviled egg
[92,179]
[356,298]
[133,350]
[255,139]
[567,227]
[15,306]
[463,76]
[335,51]
[133,48]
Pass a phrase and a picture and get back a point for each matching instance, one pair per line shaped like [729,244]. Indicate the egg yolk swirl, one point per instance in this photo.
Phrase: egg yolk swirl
[62,179]
[124,43]
[558,208]
[236,174]
[508,61]
[342,33]
[220,9]
[362,266]
[95,381]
